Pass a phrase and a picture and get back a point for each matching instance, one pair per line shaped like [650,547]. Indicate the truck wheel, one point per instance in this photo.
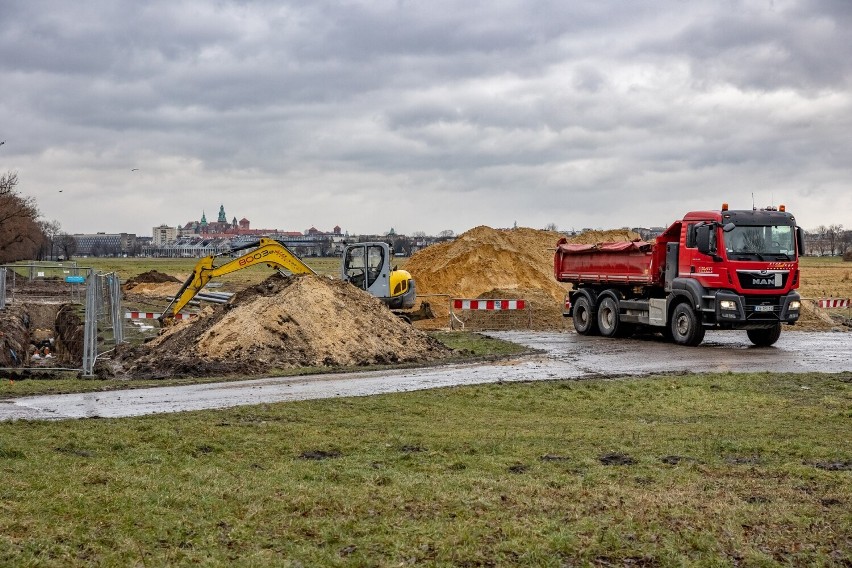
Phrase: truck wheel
[765,337]
[685,327]
[584,320]
[608,316]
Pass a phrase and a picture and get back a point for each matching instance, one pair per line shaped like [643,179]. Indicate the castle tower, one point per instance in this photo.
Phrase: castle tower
[222,217]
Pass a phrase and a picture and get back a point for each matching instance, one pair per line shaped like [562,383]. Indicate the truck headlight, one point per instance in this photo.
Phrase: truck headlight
[795,305]
[728,305]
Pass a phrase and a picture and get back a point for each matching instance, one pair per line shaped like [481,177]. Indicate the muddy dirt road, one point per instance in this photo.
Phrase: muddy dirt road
[565,356]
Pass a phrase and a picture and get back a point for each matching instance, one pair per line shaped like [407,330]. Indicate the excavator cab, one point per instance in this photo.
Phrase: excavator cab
[368,266]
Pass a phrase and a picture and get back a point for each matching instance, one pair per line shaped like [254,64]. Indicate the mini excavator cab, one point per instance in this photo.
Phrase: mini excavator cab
[368,266]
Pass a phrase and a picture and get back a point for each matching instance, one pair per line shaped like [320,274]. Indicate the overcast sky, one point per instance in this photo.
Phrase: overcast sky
[425,115]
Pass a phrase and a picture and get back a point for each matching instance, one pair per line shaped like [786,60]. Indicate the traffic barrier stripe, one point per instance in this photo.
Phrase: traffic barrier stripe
[461,304]
[834,303]
[149,315]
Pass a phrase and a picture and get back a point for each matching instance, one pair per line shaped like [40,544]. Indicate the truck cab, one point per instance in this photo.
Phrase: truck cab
[740,267]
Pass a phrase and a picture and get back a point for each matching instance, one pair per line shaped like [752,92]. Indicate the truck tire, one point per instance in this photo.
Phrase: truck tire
[685,327]
[583,317]
[608,316]
[765,337]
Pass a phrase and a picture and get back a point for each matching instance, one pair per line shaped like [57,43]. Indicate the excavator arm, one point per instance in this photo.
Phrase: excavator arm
[269,252]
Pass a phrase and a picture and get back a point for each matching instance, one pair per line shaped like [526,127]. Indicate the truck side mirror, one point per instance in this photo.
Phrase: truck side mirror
[800,240]
[703,234]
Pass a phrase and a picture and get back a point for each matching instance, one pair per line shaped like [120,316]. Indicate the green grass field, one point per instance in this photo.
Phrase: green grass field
[715,470]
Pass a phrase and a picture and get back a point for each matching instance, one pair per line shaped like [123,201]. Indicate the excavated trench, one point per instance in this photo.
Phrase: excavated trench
[40,335]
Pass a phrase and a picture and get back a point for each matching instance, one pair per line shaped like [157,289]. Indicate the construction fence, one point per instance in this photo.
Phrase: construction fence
[482,314]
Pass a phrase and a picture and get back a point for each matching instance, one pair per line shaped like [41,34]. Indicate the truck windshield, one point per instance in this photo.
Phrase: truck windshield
[765,242]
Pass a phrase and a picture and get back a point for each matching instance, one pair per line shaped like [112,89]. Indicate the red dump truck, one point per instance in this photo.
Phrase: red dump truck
[713,269]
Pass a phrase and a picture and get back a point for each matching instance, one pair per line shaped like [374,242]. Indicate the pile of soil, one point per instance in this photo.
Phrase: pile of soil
[516,263]
[283,322]
[813,318]
[153,283]
[151,277]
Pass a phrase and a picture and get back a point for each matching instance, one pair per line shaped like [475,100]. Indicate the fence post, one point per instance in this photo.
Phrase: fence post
[115,305]
[90,326]
[3,288]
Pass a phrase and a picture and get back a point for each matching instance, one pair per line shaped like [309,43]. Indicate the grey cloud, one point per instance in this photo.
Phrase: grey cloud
[556,106]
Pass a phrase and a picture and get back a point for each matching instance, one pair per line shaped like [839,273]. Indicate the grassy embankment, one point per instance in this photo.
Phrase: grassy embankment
[477,476]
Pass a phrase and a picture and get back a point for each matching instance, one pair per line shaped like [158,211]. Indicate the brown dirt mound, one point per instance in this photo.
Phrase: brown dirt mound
[151,277]
[302,321]
[153,283]
[514,261]
[812,318]
[161,290]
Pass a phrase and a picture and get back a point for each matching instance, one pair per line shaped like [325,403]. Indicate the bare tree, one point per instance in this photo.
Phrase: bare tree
[67,245]
[834,233]
[20,234]
[50,231]
[818,240]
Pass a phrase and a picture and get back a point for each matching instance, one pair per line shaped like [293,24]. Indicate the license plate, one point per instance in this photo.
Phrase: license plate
[763,308]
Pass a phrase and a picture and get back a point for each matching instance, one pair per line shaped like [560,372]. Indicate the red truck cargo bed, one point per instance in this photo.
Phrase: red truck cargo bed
[606,263]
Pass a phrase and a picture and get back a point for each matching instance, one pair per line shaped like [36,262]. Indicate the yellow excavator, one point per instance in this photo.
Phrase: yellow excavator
[365,265]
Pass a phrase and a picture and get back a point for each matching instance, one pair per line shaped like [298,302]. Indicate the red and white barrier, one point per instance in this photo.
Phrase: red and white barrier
[833,303]
[149,315]
[460,304]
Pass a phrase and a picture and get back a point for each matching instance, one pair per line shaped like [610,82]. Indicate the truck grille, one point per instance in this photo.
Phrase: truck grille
[763,279]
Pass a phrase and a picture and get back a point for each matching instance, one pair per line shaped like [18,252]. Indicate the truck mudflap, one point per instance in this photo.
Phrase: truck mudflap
[741,312]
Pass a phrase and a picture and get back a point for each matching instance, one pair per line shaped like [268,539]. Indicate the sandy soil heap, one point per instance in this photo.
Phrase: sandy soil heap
[302,321]
[516,263]
[153,283]
[151,277]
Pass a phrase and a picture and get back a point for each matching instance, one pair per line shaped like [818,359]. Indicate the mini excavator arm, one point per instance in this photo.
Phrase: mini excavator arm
[268,251]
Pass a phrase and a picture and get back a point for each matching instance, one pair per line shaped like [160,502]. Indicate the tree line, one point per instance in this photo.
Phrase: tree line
[23,233]
[828,240]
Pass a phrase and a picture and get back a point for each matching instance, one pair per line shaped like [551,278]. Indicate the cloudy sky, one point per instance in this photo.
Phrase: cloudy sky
[425,115]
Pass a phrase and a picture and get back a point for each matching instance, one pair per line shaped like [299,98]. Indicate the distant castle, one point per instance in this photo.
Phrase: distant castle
[224,228]
[220,227]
